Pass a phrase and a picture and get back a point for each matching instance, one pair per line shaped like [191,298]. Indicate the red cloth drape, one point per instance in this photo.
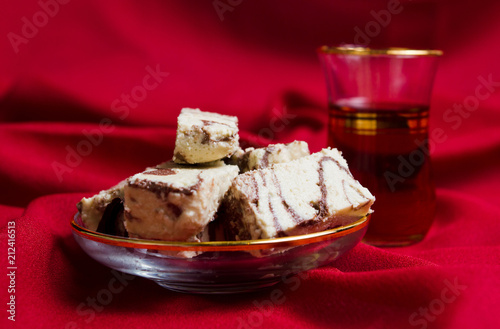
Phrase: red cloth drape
[90,92]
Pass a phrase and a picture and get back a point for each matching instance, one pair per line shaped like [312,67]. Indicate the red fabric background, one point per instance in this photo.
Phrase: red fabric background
[61,79]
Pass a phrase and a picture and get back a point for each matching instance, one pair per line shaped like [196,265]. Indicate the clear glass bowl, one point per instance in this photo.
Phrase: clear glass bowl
[222,266]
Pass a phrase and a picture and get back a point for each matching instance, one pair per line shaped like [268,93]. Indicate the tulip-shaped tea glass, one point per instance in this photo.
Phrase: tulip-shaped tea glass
[378,117]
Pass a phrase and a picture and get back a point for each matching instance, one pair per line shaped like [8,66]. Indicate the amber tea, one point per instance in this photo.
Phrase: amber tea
[386,148]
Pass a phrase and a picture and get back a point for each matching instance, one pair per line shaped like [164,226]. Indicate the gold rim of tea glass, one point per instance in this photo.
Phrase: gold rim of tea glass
[289,241]
[353,50]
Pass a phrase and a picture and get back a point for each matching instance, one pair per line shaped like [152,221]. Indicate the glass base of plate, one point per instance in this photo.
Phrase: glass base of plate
[218,288]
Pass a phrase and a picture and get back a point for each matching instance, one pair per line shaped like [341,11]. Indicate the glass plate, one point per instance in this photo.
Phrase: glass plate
[221,266]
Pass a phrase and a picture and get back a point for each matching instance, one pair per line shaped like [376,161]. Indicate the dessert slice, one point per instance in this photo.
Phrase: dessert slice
[103,212]
[205,136]
[310,194]
[92,209]
[264,157]
[175,202]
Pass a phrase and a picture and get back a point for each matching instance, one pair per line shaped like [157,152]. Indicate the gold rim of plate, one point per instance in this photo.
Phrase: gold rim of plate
[289,241]
[395,51]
